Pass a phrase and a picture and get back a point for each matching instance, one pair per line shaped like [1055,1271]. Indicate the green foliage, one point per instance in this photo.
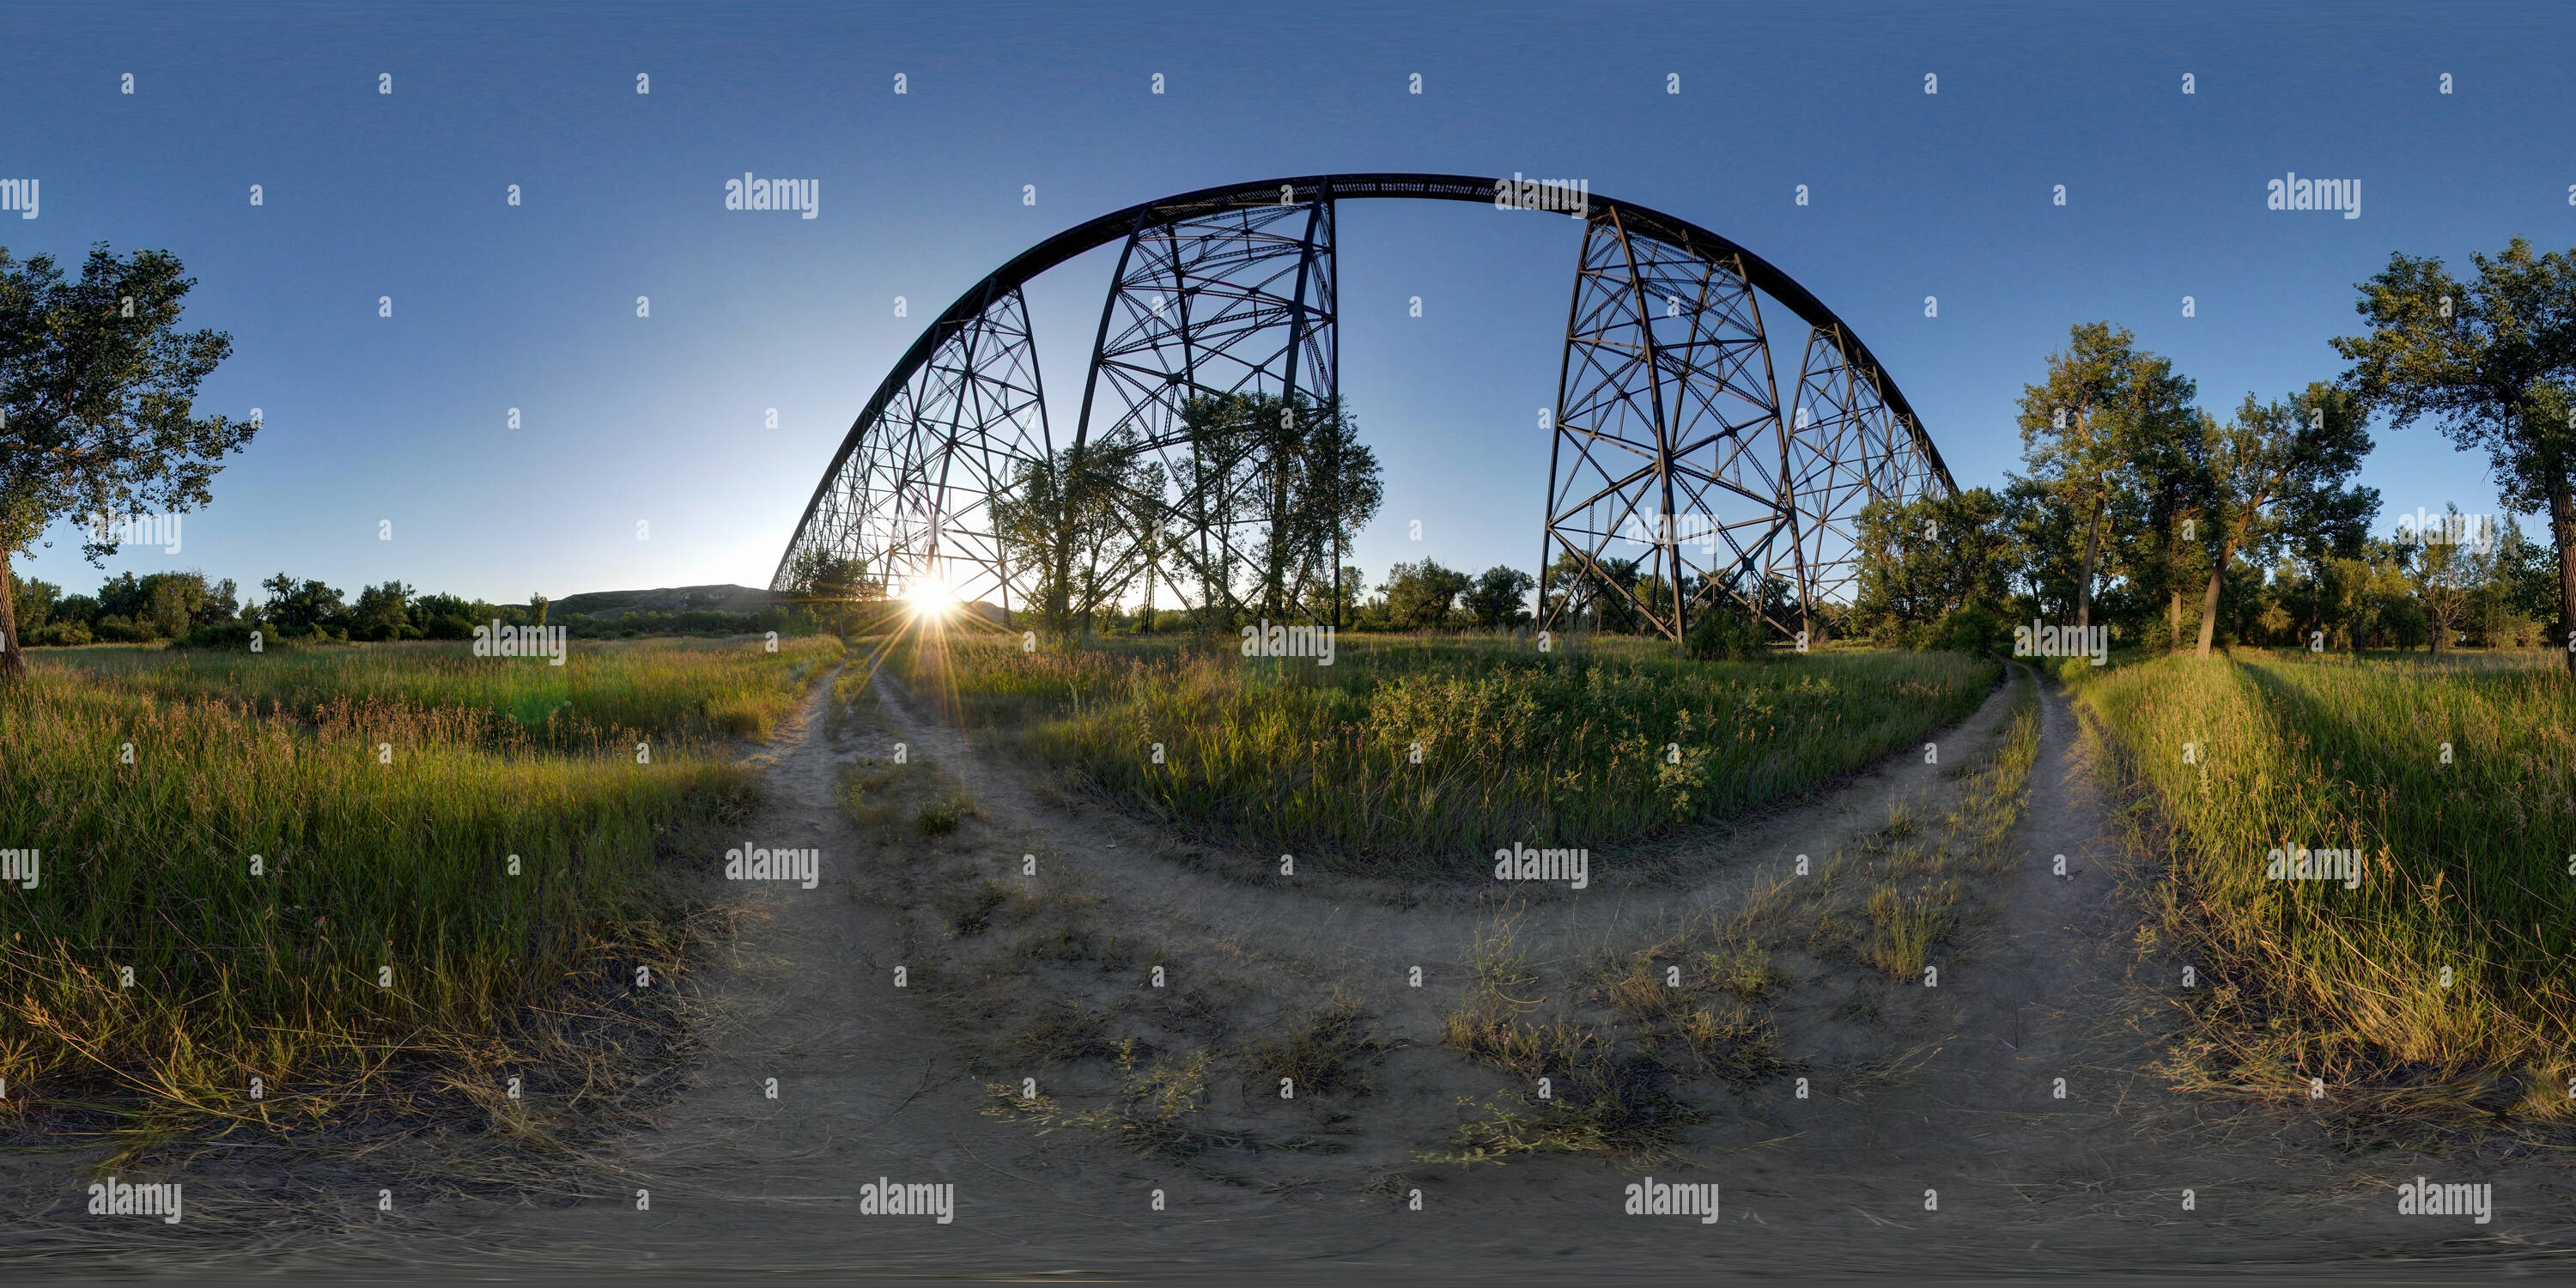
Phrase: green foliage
[447,617]
[2108,431]
[100,386]
[1497,599]
[301,608]
[1726,633]
[1423,596]
[69,633]
[1972,629]
[160,605]
[1584,595]
[1922,562]
[2276,474]
[2493,362]
[224,636]
[383,613]
[1070,522]
[34,601]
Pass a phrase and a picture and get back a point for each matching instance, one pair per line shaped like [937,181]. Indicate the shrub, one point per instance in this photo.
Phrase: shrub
[218,635]
[118,629]
[1727,635]
[60,634]
[1970,629]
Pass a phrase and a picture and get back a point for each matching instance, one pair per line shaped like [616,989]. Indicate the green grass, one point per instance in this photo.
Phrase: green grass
[604,690]
[2466,867]
[1620,742]
[384,791]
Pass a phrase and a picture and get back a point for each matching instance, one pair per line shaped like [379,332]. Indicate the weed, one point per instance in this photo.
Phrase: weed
[942,816]
[1323,1053]
[971,915]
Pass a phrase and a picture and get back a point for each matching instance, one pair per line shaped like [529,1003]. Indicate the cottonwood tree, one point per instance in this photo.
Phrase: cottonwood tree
[1313,486]
[1498,597]
[2526,577]
[815,576]
[1582,588]
[2038,525]
[2162,514]
[98,415]
[2493,362]
[1935,555]
[1215,479]
[309,607]
[2448,578]
[1344,489]
[1271,493]
[2101,397]
[1421,596]
[2378,600]
[1142,505]
[2277,471]
[1062,518]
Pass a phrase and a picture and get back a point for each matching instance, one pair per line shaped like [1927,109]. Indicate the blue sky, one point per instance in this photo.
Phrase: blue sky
[662,420]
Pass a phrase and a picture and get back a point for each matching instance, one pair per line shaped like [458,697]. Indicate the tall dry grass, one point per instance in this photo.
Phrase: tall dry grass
[695,687]
[156,968]
[2449,970]
[1424,757]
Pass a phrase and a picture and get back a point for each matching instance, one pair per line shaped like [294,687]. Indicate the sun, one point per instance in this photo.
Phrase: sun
[932,596]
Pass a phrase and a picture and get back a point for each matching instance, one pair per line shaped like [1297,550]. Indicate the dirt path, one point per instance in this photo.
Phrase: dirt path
[874,1081]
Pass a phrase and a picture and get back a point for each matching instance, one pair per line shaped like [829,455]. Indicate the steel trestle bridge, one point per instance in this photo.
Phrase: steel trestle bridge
[1670,426]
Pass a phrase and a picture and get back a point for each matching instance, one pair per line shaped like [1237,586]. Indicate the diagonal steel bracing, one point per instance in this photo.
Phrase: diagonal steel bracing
[913,499]
[1239,300]
[1667,431]
[1674,479]
[1849,449]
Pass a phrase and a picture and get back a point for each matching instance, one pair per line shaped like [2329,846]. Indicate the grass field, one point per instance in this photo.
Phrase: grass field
[157,967]
[1421,757]
[692,687]
[2446,972]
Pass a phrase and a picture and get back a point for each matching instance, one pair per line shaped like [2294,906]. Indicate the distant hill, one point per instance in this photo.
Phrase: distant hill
[668,599]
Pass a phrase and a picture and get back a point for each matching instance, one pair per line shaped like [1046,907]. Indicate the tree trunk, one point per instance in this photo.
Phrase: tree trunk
[2209,601]
[2562,517]
[2092,551]
[1153,570]
[13,659]
[2173,622]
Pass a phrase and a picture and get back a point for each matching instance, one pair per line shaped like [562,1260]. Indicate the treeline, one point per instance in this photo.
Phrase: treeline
[2384,594]
[2145,514]
[1428,596]
[185,609]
